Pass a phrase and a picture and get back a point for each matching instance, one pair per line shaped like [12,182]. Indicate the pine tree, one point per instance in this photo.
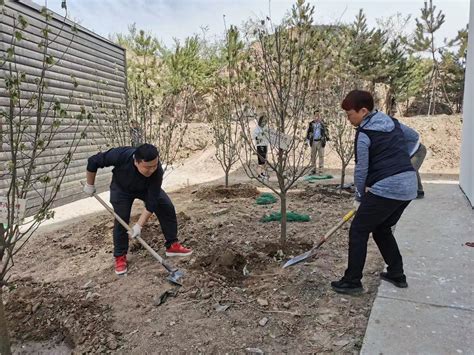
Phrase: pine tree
[424,42]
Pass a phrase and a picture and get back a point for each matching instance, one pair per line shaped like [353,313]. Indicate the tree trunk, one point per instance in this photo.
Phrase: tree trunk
[4,338]
[343,177]
[283,219]
[227,178]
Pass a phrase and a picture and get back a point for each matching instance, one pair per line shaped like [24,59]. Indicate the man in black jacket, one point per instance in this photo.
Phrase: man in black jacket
[316,137]
[138,174]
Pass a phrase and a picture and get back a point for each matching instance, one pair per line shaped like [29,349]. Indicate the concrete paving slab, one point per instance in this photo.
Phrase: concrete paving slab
[404,327]
[432,235]
[435,314]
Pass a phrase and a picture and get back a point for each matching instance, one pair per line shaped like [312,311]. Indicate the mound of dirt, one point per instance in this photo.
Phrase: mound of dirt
[47,312]
[233,191]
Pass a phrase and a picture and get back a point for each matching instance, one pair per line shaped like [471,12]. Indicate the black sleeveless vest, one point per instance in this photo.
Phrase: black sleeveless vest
[388,154]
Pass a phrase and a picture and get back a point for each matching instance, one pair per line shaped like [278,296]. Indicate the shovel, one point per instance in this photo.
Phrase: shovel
[312,252]
[174,273]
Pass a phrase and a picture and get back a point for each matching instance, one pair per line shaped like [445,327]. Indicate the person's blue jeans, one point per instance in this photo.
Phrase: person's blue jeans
[122,203]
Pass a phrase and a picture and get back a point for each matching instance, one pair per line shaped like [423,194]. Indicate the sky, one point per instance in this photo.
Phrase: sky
[169,19]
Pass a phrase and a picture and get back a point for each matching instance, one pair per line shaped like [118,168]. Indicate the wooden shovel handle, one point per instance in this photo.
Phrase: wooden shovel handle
[142,242]
[344,219]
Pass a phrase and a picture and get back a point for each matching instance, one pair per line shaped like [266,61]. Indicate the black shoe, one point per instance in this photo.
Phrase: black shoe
[400,281]
[347,287]
[421,194]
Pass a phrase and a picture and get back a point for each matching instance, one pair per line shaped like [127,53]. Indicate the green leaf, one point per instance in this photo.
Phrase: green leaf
[18,36]
[10,53]
[23,21]
[49,60]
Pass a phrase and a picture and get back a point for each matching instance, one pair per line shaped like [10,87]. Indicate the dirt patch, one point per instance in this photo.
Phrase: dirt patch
[59,315]
[228,263]
[235,295]
[233,191]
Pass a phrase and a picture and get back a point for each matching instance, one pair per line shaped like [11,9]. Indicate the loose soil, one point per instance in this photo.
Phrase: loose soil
[235,295]
[64,295]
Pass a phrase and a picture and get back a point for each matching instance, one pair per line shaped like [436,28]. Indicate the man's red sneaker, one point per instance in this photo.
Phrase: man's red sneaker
[177,249]
[121,264]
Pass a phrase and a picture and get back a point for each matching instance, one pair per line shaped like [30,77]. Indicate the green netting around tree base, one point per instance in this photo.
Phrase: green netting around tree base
[313,178]
[266,198]
[290,217]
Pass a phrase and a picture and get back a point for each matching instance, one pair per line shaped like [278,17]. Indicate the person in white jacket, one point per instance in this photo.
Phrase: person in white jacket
[261,143]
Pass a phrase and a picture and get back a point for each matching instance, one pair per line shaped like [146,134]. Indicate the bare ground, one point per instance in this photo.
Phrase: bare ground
[64,294]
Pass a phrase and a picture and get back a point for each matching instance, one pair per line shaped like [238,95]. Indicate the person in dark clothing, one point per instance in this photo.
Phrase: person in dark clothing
[385,184]
[138,174]
[316,137]
[417,153]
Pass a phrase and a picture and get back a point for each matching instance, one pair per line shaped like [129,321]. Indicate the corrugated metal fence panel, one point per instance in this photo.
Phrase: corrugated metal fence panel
[89,69]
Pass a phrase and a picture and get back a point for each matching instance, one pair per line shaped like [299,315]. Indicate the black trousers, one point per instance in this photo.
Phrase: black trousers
[122,203]
[375,215]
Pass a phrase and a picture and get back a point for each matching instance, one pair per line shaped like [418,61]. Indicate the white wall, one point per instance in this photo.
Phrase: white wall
[466,180]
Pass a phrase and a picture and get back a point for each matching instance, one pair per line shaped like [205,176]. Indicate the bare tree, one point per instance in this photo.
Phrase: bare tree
[35,123]
[275,81]
[225,130]
[220,110]
[342,132]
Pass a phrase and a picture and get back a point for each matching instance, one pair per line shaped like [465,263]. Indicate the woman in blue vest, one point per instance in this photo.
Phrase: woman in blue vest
[385,184]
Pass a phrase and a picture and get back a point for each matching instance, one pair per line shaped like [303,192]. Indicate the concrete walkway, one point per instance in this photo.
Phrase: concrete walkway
[435,314]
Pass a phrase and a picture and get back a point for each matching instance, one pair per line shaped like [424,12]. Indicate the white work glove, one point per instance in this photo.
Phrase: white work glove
[89,189]
[136,231]
[356,205]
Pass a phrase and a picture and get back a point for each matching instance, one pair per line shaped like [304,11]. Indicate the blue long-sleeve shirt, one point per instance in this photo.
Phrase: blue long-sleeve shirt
[412,138]
[401,186]
[126,177]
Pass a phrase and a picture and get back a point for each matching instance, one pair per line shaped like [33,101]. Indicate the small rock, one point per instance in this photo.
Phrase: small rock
[262,302]
[158,334]
[172,323]
[112,344]
[192,262]
[342,342]
[87,285]
[286,305]
[211,284]
[262,322]
[221,211]
[35,307]
[193,294]
[254,351]
[206,296]
[221,307]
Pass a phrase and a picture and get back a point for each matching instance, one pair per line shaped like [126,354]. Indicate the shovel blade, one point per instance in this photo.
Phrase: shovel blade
[298,259]
[174,277]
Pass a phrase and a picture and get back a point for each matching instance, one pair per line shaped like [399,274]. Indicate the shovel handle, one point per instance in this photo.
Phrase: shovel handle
[142,242]
[344,219]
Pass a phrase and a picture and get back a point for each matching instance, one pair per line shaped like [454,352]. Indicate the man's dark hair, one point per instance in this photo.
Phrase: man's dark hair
[357,99]
[262,120]
[146,152]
